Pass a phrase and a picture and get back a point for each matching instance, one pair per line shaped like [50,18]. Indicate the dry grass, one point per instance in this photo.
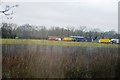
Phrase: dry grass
[60,65]
[0,65]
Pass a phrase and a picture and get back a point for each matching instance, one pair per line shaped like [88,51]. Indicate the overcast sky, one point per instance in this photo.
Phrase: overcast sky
[101,14]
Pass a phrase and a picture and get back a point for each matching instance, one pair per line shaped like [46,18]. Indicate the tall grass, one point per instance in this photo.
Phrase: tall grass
[64,64]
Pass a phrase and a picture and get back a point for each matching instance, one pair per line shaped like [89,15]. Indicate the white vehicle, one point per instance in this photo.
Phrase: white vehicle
[117,41]
[58,39]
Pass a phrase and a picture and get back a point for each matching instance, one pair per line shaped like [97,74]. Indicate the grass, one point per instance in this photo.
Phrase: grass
[20,61]
[65,65]
[56,43]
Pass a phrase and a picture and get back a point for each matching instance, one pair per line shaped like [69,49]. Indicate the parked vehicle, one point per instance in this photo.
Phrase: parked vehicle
[78,38]
[81,39]
[115,41]
[58,39]
[104,40]
[54,38]
[67,39]
[88,39]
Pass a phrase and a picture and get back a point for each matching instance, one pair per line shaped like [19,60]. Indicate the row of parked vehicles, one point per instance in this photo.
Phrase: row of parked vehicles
[83,39]
[71,38]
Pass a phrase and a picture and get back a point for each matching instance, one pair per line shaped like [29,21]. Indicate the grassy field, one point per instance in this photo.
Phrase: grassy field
[56,43]
[32,58]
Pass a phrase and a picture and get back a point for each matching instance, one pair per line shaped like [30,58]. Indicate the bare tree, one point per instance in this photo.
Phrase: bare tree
[6,11]
[82,29]
[68,30]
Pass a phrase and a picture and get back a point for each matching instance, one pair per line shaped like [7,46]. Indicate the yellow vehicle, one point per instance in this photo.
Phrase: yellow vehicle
[67,39]
[104,40]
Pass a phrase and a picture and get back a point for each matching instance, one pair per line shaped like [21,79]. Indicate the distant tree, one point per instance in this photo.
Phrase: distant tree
[5,27]
[96,33]
[82,29]
[72,29]
[7,31]
[28,31]
[25,31]
[43,32]
[110,34]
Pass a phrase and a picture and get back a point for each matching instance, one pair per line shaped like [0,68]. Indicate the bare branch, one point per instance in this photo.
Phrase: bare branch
[7,9]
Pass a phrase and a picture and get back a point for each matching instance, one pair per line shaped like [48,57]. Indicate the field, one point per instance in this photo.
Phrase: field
[56,43]
[24,58]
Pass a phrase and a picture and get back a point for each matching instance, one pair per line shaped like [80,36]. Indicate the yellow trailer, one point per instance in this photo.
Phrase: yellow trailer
[104,40]
[67,39]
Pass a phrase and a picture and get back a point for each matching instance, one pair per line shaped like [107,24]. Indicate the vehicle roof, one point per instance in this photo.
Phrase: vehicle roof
[115,39]
[77,36]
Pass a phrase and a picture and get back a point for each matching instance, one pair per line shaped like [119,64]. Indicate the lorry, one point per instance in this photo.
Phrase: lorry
[67,39]
[104,41]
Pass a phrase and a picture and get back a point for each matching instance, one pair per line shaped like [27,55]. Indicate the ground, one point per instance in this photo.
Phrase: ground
[56,43]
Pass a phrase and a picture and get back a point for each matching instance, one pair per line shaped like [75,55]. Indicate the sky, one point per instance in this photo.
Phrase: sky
[102,14]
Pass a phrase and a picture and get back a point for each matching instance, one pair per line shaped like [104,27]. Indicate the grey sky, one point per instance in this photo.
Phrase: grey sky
[101,14]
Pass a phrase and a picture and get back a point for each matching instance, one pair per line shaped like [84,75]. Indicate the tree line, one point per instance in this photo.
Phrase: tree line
[27,31]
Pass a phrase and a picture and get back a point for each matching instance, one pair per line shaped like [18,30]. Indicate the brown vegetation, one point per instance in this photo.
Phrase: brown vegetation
[64,64]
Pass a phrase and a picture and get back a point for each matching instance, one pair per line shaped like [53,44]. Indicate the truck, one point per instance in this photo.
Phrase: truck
[104,41]
[67,39]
